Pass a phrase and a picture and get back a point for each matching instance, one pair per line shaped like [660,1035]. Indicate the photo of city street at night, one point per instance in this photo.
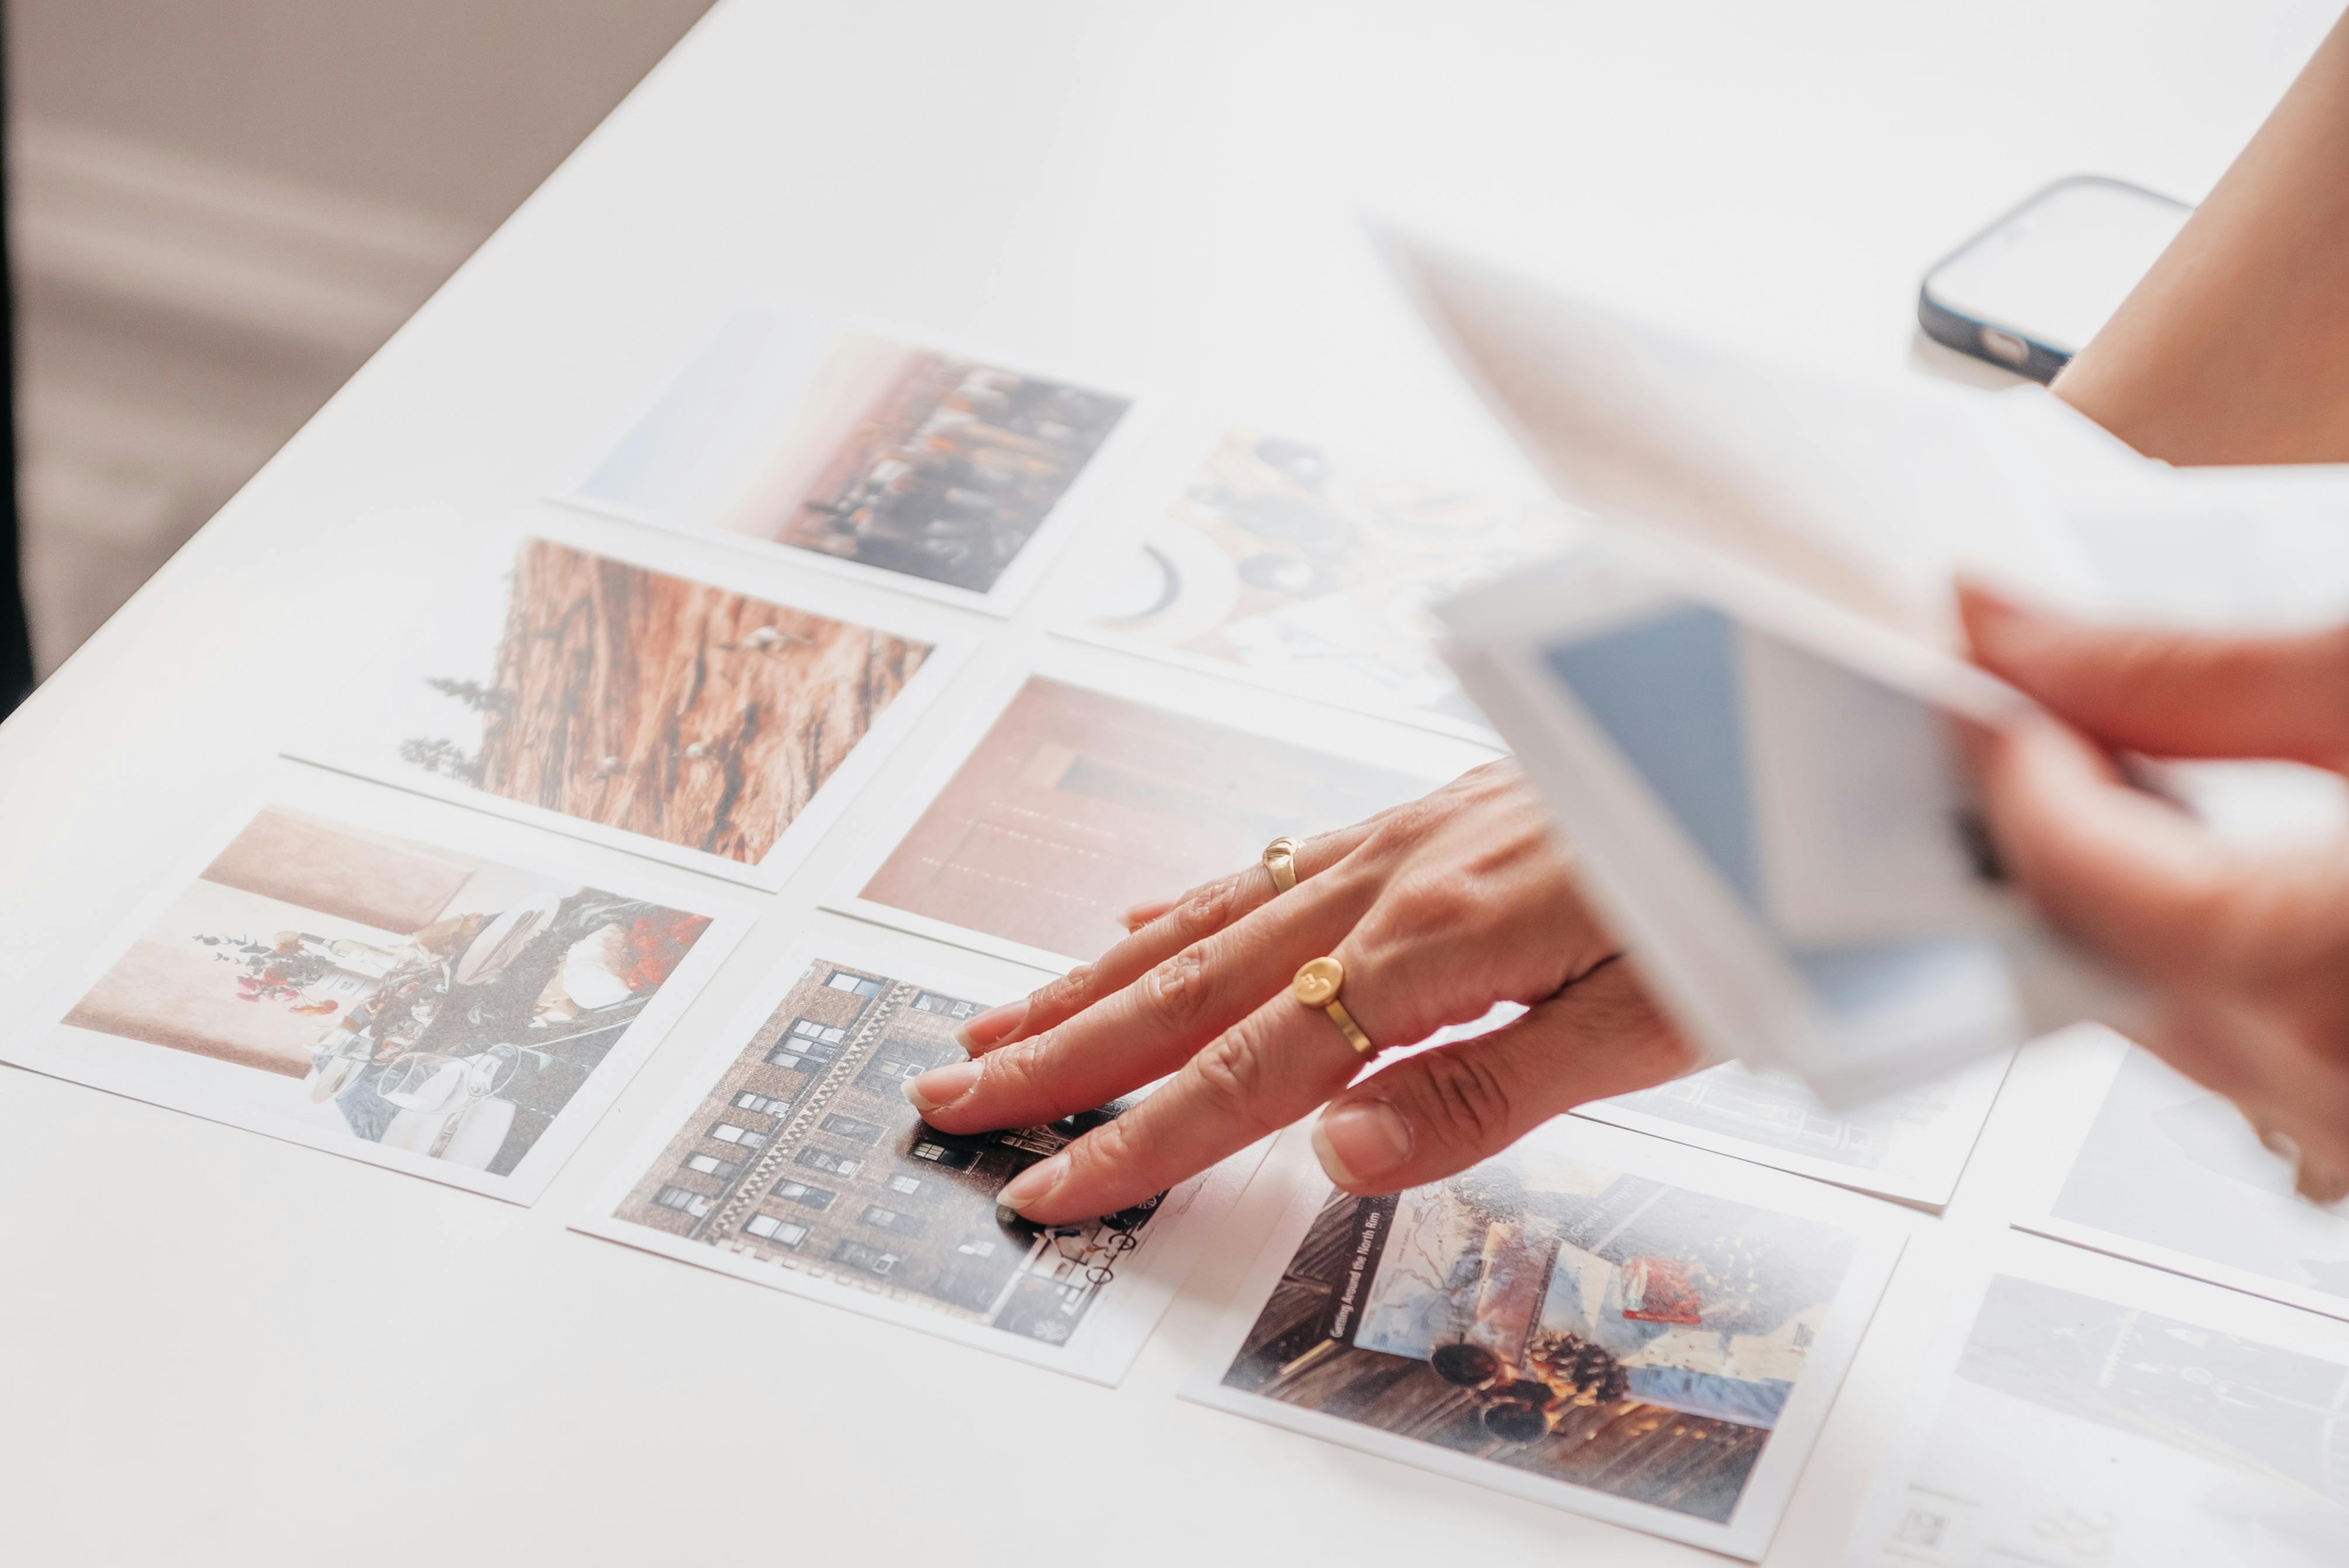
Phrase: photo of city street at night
[1580,1324]
[804,1155]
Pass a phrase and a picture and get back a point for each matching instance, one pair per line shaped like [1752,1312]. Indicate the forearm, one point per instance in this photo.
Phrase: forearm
[2235,346]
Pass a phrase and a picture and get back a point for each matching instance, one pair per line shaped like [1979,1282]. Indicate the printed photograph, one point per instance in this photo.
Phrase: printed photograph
[1557,1317]
[610,694]
[805,1156]
[1077,805]
[1282,560]
[384,993]
[2081,1430]
[2171,1166]
[1911,1144]
[906,459]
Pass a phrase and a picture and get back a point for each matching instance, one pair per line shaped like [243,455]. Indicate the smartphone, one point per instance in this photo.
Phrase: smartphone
[2029,291]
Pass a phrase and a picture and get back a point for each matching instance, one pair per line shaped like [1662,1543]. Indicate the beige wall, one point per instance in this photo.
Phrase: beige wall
[222,206]
[456,106]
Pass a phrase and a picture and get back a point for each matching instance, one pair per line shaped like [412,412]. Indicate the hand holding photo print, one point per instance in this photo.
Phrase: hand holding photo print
[413,1004]
[1587,1320]
[593,694]
[935,466]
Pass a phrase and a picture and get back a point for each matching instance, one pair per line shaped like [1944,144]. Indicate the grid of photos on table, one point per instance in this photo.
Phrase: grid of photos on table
[1562,1320]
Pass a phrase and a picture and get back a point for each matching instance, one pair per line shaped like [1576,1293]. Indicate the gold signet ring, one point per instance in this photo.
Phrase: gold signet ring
[1280,860]
[1316,986]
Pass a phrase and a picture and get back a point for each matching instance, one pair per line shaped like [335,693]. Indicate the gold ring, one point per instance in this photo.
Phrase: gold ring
[1281,861]
[1316,986]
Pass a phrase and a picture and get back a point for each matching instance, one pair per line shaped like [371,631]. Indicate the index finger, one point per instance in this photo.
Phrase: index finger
[1266,1071]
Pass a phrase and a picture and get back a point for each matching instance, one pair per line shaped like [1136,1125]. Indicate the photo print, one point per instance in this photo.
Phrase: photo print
[1573,1323]
[796,1161]
[1912,1145]
[1077,803]
[2168,1173]
[1284,562]
[2092,1411]
[412,1005]
[651,712]
[935,467]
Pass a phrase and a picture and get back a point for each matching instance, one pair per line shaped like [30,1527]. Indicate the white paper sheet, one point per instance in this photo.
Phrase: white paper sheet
[2080,1410]
[2141,1162]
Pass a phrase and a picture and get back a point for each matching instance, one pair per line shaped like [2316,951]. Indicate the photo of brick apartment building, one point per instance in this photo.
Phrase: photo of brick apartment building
[804,1154]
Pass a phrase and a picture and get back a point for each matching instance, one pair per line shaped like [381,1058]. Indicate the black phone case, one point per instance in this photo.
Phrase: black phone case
[2025,355]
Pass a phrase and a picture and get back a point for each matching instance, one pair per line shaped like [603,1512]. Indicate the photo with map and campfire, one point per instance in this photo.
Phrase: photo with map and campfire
[1555,1316]
[689,722]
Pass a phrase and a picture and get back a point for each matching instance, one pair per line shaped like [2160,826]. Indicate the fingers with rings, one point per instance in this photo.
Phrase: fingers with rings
[1205,910]
[1268,1070]
[1146,1029]
[1435,1114]
[1280,861]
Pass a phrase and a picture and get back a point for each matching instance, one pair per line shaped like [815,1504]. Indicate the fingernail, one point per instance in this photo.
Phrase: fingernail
[1143,914]
[978,1034]
[941,1086]
[1034,1184]
[1360,1144]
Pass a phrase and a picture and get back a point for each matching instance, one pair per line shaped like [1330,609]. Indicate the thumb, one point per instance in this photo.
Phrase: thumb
[2171,693]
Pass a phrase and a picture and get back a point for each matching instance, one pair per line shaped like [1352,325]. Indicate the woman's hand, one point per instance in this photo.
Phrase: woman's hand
[1437,910]
[2247,954]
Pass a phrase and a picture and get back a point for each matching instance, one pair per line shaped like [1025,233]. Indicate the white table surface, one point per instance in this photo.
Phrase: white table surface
[216,1347]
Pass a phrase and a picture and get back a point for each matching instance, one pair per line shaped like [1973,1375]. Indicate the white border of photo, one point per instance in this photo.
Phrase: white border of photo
[339,746]
[163,1077]
[1878,1232]
[742,424]
[2043,1261]
[1371,739]
[1141,504]
[1923,1168]
[1111,1333]
[2068,1077]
